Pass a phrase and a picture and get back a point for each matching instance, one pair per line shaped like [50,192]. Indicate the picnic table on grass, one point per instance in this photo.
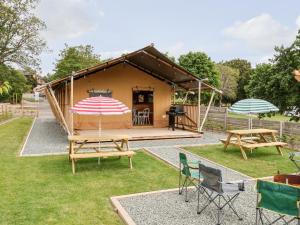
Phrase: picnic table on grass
[79,144]
[252,139]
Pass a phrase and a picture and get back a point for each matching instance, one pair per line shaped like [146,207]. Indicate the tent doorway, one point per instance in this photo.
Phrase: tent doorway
[142,108]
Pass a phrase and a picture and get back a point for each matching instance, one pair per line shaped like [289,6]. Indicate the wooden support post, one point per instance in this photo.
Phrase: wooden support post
[59,112]
[71,102]
[207,110]
[199,106]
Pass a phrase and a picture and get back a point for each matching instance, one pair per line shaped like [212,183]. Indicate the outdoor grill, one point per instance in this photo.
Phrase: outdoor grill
[174,112]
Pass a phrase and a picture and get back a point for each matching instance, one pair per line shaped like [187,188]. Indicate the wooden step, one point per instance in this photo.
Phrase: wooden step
[269,144]
[101,154]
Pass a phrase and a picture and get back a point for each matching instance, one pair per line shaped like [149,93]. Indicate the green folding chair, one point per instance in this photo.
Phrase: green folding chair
[188,174]
[278,198]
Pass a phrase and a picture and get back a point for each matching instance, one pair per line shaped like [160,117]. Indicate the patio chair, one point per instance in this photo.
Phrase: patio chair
[188,173]
[295,158]
[217,192]
[146,116]
[134,117]
[278,198]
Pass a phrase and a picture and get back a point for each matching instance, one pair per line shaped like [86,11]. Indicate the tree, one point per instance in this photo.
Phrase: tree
[199,64]
[258,86]
[16,80]
[283,87]
[244,68]
[275,81]
[74,59]
[4,87]
[228,82]
[31,76]
[20,41]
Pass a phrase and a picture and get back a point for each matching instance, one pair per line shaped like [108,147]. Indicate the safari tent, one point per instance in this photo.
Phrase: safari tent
[143,79]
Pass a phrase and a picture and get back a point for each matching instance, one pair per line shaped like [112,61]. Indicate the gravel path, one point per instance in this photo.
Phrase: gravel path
[170,155]
[169,208]
[47,136]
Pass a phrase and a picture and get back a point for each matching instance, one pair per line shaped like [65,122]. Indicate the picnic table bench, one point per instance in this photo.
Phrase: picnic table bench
[242,139]
[78,144]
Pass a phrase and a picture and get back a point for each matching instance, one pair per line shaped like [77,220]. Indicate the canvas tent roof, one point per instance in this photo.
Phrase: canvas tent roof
[152,62]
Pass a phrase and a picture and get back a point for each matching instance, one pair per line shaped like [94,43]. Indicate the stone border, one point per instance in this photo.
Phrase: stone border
[123,213]
[27,137]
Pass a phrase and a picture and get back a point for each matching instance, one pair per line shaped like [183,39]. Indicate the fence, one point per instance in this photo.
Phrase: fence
[218,119]
[18,110]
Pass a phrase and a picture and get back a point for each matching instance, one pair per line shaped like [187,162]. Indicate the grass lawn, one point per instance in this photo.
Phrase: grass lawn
[42,190]
[261,163]
[5,117]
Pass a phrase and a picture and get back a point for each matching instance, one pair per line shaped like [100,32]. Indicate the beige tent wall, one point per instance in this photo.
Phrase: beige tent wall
[120,79]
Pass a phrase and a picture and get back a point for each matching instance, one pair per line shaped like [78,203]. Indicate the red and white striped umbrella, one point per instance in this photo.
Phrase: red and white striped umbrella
[100,106]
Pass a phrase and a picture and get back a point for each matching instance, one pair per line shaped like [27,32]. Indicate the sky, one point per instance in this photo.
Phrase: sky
[223,29]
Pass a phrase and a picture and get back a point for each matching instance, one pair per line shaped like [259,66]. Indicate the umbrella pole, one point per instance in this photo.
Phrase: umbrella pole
[99,133]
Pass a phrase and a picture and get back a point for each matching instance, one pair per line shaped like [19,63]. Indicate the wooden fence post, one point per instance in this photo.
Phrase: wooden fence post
[281,129]
[225,118]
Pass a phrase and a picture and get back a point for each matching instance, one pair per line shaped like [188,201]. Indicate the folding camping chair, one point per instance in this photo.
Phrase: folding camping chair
[190,171]
[295,158]
[279,198]
[219,193]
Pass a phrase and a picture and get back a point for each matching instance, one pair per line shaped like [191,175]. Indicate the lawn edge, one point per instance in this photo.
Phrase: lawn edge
[24,142]
[121,212]
[9,120]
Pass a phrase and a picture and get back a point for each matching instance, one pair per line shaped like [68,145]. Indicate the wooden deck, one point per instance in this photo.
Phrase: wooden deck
[144,133]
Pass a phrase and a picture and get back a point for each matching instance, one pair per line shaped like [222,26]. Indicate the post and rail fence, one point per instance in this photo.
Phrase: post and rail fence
[17,110]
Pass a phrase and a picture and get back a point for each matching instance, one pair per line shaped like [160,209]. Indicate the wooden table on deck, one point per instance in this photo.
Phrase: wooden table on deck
[252,139]
[119,145]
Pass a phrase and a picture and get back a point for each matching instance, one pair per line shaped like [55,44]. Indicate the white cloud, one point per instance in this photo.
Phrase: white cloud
[101,13]
[176,49]
[113,54]
[68,18]
[298,22]
[262,32]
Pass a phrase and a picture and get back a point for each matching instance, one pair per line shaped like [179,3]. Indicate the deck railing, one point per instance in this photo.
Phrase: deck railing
[189,120]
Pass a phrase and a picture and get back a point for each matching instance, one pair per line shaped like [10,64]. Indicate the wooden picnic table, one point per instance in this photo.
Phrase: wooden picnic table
[252,139]
[78,144]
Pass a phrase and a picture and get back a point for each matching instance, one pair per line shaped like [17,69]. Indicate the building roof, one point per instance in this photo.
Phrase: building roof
[152,62]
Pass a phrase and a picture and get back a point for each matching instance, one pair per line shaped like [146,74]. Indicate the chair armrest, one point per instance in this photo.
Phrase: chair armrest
[240,185]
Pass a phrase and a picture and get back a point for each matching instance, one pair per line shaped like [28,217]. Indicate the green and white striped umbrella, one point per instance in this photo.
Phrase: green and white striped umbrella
[253,106]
